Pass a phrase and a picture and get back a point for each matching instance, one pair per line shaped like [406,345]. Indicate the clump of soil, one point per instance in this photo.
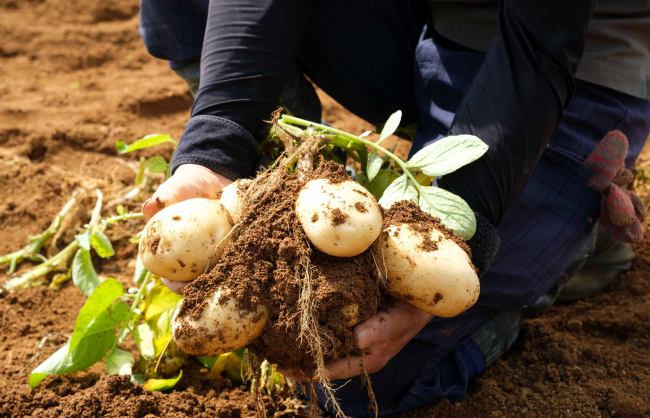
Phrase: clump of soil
[420,222]
[265,264]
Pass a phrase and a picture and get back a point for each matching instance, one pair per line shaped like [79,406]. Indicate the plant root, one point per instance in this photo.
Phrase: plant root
[365,380]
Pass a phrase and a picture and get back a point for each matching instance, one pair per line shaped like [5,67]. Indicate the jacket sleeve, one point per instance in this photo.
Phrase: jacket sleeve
[249,49]
[516,101]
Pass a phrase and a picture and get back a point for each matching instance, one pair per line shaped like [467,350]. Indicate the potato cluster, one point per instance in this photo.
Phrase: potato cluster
[341,219]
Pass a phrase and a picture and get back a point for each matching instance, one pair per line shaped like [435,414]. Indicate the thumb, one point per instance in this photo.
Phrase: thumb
[168,193]
[188,182]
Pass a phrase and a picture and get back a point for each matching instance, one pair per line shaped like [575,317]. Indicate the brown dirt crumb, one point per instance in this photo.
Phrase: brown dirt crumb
[176,218]
[159,203]
[360,207]
[314,217]
[219,194]
[338,217]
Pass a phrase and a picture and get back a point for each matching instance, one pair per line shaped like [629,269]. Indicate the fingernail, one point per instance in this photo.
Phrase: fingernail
[145,204]
[365,337]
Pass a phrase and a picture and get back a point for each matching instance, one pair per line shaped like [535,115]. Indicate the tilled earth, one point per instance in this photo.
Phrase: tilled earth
[75,78]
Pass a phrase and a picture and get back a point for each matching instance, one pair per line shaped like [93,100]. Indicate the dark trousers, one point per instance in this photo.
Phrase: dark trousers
[376,57]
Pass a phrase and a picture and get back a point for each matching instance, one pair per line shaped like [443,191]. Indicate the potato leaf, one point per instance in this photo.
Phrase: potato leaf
[101,244]
[374,164]
[447,155]
[143,337]
[119,362]
[162,384]
[391,125]
[452,210]
[83,240]
[91,312]
[83,272]
[382,180]
[159,300]
[88,351]
[146,142]
[140,271]
[207,361]
[156,164]
[400,189]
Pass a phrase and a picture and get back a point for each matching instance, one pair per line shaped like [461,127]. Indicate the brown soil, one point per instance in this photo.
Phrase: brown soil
[265,264]
[421,223]
[74,78]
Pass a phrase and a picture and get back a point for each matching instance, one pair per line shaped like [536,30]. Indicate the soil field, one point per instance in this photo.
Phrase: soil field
[74,78]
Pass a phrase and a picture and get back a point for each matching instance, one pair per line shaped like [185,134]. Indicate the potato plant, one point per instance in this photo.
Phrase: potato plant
[111,313]
[419,261]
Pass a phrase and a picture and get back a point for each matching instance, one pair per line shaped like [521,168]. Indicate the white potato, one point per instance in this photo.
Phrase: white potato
[340,219]
[183,240]
[220,329]
[442,282]
[351,314]
[231,198]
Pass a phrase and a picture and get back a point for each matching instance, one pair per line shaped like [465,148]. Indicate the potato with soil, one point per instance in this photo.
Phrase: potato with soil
[340,218]
[231,198]
[426,264]
[218,326]
[183,240]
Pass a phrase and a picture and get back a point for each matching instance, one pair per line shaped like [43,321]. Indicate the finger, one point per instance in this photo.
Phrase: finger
[354,366]
[170,192]
[384,326]
[174,285]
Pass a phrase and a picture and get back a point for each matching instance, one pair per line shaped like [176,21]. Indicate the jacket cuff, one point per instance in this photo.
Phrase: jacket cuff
[218,144]
[484,244]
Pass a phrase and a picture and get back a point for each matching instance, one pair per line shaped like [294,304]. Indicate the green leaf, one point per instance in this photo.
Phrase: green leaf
[87,352]
[119,362]
[140,271]
[146,142]
[156,164]
[138,378]
[374,164]
[101,244]
[83,240]
[140,176]
[447,155]
[83,272]
[400,189]
[382,180]
[208,361]
[160,299]
[143,336]
[452,210]
[162,384]
[120,210]
[390,126]
[91,316]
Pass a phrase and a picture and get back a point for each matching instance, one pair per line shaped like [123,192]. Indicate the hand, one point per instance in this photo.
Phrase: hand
[381,337]
[189,181]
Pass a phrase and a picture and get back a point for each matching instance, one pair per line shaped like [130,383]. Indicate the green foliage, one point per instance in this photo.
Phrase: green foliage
[83,272]
[163,384]
[447,155]
[101,244]
[386,184]
[391,125]
[142,143]
[374,164]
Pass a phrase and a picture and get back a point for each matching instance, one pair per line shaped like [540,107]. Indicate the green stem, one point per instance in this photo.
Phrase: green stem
[61,259]
[136,302]
[31,251]
[123,217]
[398,160]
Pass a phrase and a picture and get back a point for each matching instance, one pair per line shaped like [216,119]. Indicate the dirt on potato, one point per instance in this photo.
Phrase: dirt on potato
[74,78]
[265,264]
